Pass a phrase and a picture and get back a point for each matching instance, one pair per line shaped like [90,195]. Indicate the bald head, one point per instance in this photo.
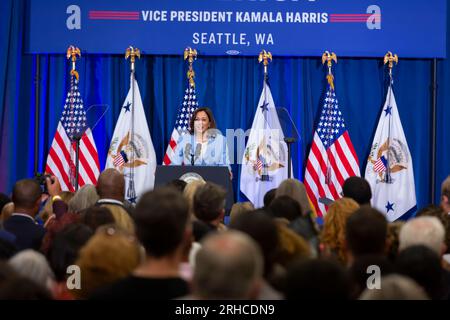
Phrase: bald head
[26,194]
[228,266]
[111,185]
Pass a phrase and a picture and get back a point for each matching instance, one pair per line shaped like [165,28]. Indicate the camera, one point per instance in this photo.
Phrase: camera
[41,178]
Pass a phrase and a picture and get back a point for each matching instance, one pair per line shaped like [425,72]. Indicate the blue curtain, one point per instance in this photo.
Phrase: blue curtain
[230,86]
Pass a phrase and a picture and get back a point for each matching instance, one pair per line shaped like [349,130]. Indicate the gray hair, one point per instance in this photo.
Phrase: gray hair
[84,198]
[395,287]
[32,265]
[425,230]
[228,266]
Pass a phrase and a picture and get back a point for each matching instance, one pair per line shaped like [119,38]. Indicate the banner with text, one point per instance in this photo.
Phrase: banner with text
[362,28]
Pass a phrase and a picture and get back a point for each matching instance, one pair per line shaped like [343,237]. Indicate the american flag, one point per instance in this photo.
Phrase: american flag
[182,123]
[61,157]
[332,158]
[120,159]
[380,164]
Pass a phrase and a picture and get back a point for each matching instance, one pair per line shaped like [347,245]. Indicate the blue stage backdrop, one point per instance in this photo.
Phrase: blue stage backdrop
[355,28]
[231,86]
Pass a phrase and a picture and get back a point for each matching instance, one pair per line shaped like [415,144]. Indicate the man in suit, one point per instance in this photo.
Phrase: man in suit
[26,198]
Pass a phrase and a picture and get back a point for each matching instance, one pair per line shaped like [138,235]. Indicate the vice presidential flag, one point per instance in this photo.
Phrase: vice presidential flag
[332,157]
[61,157]
[389,168]
[131,150]
[264,164]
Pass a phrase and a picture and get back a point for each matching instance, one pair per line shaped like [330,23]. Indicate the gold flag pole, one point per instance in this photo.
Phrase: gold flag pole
[389,59]
[265,56]
[72,52]
[329,58]
[191,55]
[132,53]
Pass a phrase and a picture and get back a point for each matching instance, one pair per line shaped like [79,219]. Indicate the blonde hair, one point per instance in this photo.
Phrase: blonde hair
[333,232]
[121,217]
[240,208]
[297,191]
[292,245]
[84,198]
[111,254]
[189,192]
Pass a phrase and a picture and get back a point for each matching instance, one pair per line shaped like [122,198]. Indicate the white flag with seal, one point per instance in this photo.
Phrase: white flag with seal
[389,168]
[264,163]
[131,150]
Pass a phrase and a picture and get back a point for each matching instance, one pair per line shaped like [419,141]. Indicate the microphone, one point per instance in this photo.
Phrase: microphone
[198,150]
[187,151]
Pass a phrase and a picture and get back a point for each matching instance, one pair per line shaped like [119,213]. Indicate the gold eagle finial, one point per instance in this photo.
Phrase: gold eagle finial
[191,55]
[72,53]
[329,58]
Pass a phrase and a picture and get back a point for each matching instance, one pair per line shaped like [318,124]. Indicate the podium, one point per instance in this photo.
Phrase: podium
[214,174]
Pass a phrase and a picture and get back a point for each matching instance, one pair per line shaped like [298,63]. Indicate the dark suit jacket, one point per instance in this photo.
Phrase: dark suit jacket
[28,234]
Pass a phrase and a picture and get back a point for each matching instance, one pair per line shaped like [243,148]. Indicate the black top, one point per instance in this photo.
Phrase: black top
[28,234]
[138,288]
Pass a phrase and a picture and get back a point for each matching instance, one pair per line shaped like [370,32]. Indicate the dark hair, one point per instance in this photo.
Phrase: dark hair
[366,231]
[96,216]
[423,265]
[269,196]
[7,249]
[316,280]
[178,184]
[212,121]
[4,199]
[261,227]
[358,189]
[20,288]
[285,207]
[161,216]
[209,200]
[65,246]
[26,193]
[359,272]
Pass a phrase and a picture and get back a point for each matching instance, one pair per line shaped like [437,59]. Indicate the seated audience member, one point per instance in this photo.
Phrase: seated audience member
[20,288]
[189,192]
[395,287]
[111,192]
[94,217]
[209,209]
[162,227]
[333,232]
[27,198]
[423,265]
[110,255]
[7,249]
[317,279]
[358,189]
[427,231]
[229,266]
[84,198]
[262,229]
[61,219]
[359,272]
[63,252]
[269,196]
[297,191]
[289,210]
[240,208]
[445,195]
[49,211]
[365,233]
[178,184]
[393,234]
[438,212]
[6,212]
[32,265]
[4,200]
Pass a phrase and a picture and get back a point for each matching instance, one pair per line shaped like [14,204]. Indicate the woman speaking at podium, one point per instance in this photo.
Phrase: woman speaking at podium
[204,145]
